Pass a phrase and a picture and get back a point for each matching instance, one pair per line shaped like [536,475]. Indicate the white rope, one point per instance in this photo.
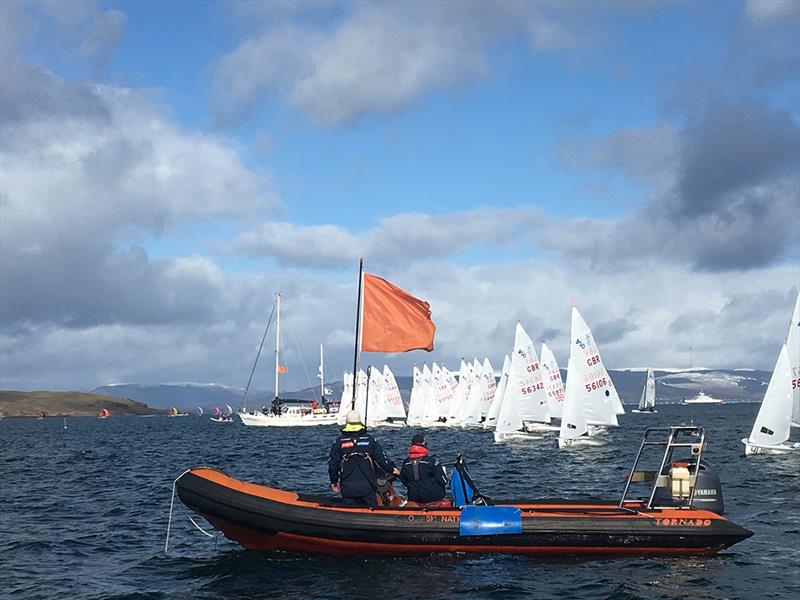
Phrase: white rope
[211,535]
[171,505]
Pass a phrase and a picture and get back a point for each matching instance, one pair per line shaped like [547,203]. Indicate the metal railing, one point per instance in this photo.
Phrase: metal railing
[675,438]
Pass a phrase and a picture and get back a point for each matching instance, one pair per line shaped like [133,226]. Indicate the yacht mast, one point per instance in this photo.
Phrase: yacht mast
[277,340]
[321,375]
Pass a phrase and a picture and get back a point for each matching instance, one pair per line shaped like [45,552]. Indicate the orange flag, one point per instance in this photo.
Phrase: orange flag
[393,319]
[282,369]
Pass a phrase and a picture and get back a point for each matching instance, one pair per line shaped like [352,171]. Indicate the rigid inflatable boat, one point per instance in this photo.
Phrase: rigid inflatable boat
[677,518]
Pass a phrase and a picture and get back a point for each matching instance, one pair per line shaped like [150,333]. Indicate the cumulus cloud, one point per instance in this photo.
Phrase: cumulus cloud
[397,239]
[723,192]
[371,57]
[475,309]
[88,168]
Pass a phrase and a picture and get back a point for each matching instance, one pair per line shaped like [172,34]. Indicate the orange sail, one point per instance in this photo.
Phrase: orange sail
[393,319]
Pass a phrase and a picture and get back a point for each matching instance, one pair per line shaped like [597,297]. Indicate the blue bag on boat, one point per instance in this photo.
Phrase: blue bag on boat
[463,492]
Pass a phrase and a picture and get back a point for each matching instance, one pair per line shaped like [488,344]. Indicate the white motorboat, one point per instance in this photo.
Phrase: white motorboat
[703,398]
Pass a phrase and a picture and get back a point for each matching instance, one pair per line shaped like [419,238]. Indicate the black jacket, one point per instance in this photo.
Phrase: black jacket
[349,463]
[425,479]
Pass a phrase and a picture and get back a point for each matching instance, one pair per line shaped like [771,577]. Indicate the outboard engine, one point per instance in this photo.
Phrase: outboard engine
[707,489]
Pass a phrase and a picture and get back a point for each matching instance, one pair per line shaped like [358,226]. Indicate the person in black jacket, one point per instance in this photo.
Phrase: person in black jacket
[422,474]
[351,463]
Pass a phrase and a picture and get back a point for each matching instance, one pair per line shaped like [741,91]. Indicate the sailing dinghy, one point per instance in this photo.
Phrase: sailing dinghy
[497,399]
[553,384]
[439,385]
[575,430]
[523,413]
[793,345]
[416,404]
[385,403]
[771,430]
[225,416]
[591,401]
[647,403]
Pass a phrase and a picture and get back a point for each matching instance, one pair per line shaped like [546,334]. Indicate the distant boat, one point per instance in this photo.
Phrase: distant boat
[647,403]
[65,422]
[703,398]
[199,411]
[174,412]
[43,415]
[225,416]
[104,414]
[281,415]
[771,430]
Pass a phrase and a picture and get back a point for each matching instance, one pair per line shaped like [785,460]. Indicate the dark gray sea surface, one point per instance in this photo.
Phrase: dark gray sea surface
[83,514]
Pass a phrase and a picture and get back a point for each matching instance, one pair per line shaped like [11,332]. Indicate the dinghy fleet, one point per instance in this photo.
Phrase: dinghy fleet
[529,401]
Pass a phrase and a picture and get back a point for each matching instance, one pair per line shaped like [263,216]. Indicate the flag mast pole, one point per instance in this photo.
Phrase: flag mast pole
[358,332]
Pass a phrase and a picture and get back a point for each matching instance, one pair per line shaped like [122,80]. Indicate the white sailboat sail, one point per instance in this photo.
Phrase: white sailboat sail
[429,393]
[553,385]
[793,347]
[394,401]
[416,404]
[525,383]
[471,414]
[445,385]
[488,389]
[573,417]
[361,392]
[346,400]
[602,399]
[648,399]
[376,397]
[461,395]
[774,417]
[509,417]
[497,400]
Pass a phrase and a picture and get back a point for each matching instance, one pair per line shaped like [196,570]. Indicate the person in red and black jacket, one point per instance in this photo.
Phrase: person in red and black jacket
[422,474]
[352,461]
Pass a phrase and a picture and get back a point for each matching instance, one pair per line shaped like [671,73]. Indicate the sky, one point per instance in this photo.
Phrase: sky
[165,168]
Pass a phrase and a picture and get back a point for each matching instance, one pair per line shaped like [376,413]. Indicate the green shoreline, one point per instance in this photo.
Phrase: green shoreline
[68,404]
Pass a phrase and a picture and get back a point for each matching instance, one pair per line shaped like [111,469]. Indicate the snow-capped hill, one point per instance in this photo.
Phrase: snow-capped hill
[672,385]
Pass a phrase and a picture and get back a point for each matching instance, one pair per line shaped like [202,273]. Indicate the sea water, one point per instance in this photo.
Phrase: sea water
[83,514]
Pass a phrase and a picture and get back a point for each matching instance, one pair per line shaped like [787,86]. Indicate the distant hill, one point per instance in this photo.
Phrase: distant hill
[742,385]
[185,396]
[672,385]
[67,404]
